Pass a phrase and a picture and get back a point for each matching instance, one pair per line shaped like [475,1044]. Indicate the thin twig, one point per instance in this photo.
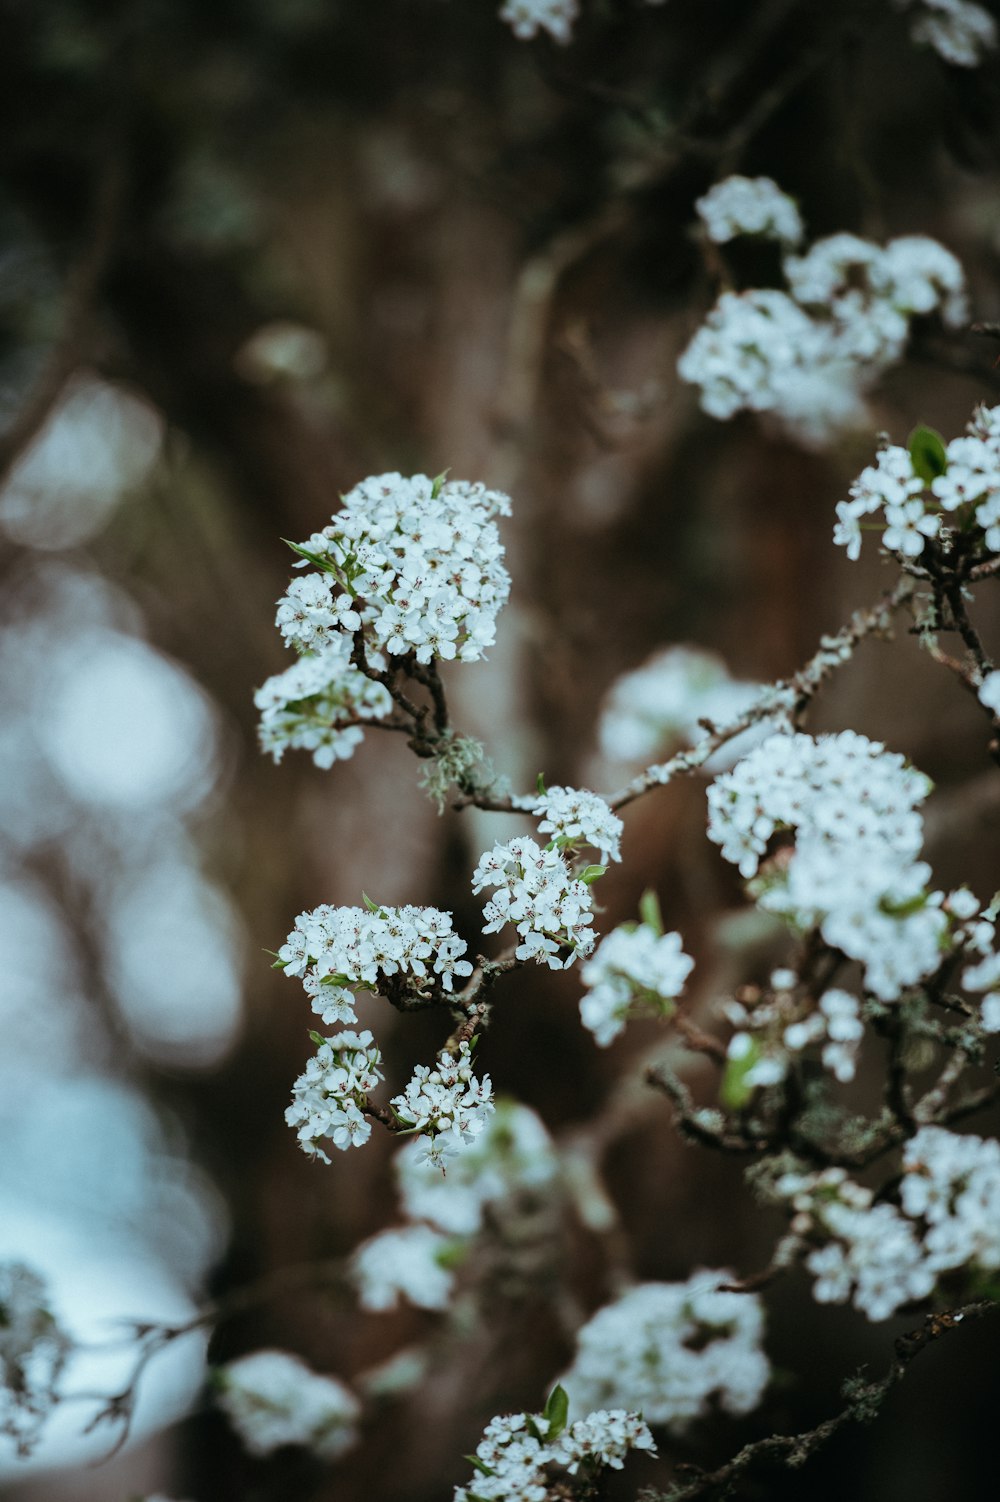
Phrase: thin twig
[863,1401]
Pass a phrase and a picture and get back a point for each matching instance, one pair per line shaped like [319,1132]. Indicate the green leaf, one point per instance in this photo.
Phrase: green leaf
[452,1254]
[927,453]
[372,907]
[479,1465]
[590,874]
[540,785]
[279,963]
[649,912]
[556,1411]
[437,485]
[325,565]
[317,1038]
[734,1091]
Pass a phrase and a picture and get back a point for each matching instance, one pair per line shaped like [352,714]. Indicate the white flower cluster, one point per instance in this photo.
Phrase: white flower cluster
[749,206]
[537,892]
[316,704]
[883,1257]
[854,872]
[634,971]
[979,938]
[520,1457]
[330,1097]
[951,1182]
[413,564]
[340,950]
[768,1034]
[448,1104]
[806,356]
[273,1399]
[871,1253]
[526,18]
[668,1349]
[574,817]
[912,507]
[409,1262]
[512,1156]
[659,706]
[958,30]
[33,1353]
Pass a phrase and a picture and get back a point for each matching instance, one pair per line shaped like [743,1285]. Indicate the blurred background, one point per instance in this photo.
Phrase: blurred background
[249,254]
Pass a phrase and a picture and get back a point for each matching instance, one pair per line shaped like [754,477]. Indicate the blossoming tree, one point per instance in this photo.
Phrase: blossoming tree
[841,1048]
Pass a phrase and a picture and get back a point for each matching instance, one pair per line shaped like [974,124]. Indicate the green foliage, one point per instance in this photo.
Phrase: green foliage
[649,911]
[734,1091]
[556,1411]
[927,453]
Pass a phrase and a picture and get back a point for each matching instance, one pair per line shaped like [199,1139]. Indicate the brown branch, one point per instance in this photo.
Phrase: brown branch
[788,698]
[864,1399]
[699,1126]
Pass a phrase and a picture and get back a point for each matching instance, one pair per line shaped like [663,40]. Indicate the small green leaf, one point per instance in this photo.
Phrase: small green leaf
[372,907]
[479,1465]
[279,963]
[317,1038]
[649,911]
[325,565]
[734,1091]
[540,785]
[452,1254]
[437,485]
[590,874]
[556,1411]
[927,453]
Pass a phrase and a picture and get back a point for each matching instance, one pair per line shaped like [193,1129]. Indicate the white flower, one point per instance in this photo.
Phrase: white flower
[273,1399]
[537,892]
[340,950]
[909,525]
[316,705]
[527,17]
[415,565]
[447,1104]
[406,1262]
[328,1099]
[660,705]
[854,872]
[958,30]
[516,1454]
[578,817]
[634,970]
[870,1254]
[513,1154]
[990,1012]
[891,482]
[989,692]
[667,1349]
[749,206]
[808,355]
